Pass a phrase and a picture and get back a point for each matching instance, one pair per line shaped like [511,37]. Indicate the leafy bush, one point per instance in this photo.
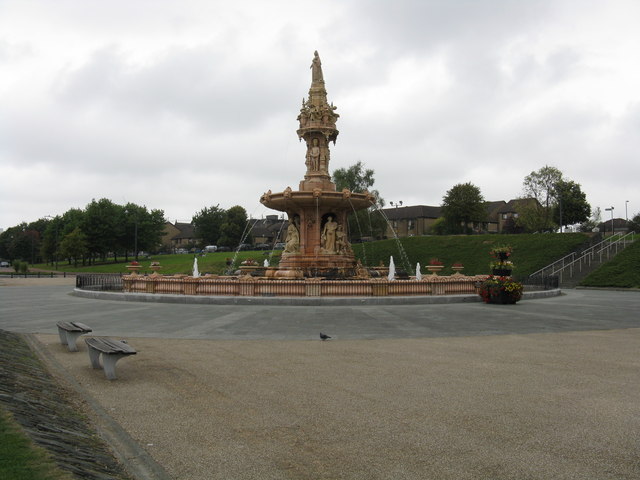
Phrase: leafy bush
[20,266]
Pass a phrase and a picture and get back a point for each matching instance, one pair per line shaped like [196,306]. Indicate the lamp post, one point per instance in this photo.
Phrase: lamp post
[626,213]
[610,210]
[395,221]
[55,250]
[135,234]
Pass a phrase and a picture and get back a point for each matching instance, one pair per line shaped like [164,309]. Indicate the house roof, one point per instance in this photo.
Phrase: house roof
[186,230]
[266,227]
[493,208]
[413,211]
[516,205]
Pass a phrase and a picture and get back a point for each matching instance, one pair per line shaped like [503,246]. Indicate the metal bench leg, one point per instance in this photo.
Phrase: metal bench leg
[63,336]
[94,356]
[71,340]
[109,364]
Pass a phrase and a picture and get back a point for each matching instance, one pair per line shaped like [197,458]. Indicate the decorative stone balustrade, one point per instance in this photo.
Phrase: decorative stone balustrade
[310,287]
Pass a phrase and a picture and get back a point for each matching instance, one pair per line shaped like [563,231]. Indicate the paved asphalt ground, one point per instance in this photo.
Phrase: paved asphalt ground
[37,309]
[545,389]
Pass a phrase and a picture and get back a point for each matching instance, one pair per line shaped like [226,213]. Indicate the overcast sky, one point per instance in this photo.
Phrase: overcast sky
[180,105]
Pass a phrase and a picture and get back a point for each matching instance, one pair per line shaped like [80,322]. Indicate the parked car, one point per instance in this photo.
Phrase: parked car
[210,248]
[279,246]
[263,246]
[223,249]
[245,246]
[4,264]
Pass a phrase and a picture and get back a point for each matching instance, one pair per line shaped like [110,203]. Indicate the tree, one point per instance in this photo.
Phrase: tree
[234,227]
[462,205]
[142,229]
[51,239]
[571,206]
[207,223]
[102,225]
[541,185]
[634,223]
[368,222]
[74,246]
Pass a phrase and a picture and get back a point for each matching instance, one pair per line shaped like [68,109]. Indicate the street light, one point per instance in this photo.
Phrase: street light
[609,210]
[397,204]
[135,234]
[55,250]
[626,214]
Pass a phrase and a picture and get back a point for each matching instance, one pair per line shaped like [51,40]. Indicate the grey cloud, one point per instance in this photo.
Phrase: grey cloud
[200,85]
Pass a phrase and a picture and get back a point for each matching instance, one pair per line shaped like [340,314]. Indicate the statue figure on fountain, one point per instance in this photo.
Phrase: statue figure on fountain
[313,156]
[343,247]
[316,68]
[292,244]
[328,238]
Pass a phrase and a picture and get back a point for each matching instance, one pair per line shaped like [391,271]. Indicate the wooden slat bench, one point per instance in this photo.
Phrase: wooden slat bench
[111,351]
[69,333]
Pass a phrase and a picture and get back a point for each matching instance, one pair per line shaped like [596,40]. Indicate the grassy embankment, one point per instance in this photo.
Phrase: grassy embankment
[20,459]
[621,272]
[530,252]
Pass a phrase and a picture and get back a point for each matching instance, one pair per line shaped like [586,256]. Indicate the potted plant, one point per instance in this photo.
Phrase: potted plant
[435,266]
[501,253]
[500,290]
[501,266]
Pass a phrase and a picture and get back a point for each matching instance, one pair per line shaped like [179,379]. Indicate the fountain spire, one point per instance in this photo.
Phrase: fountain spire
[317,128]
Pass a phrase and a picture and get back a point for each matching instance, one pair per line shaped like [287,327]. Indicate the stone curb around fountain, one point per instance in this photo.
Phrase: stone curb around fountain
[296,301]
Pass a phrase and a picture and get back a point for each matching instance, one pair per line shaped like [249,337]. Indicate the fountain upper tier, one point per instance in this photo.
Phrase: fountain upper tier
[292,201]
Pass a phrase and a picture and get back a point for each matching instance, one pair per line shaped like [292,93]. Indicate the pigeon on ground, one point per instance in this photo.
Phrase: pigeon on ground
[324,337]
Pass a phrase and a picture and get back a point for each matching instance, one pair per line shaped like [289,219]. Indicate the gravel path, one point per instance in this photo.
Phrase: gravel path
[543,406]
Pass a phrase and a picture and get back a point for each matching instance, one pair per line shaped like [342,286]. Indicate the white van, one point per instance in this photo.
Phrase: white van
[210,248]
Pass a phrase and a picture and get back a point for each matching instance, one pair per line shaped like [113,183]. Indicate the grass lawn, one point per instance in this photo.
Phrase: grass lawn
[530,252]
[215,263]
[622,272]
[20,459]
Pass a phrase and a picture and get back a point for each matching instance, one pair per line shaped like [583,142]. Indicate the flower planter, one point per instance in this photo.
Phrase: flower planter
[457,270]
[503,298]
[501,272]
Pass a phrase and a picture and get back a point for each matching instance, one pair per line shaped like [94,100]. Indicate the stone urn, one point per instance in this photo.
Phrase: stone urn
[134,268]
[434,269]
[457,269]
[155,268]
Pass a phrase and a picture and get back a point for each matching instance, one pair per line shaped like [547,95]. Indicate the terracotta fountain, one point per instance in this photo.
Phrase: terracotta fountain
[316,243]
[317,260]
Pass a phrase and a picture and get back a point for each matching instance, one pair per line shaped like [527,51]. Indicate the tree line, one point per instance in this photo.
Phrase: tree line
[102,229]
[549,201]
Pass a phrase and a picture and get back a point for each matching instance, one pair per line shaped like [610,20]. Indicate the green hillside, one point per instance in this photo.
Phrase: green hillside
[530,252]
[623,271]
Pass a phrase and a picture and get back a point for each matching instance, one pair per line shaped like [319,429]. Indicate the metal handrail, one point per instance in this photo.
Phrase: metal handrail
[552,265]
[588,254]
